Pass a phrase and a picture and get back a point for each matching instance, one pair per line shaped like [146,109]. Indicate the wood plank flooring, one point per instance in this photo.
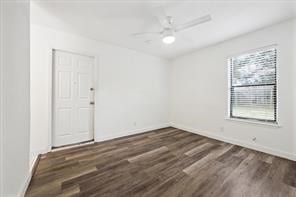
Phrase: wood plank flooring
[166,162]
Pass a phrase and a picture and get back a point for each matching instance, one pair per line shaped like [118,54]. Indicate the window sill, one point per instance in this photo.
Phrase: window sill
[276,125]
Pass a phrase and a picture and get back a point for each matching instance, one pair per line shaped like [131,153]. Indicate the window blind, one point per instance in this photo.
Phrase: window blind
[253,88]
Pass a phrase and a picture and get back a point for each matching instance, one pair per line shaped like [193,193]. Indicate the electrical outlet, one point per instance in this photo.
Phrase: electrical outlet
[254,139]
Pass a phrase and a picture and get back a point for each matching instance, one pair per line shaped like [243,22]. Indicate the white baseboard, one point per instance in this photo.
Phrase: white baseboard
[33,163]
[131,132]
[35,153]
[72,146]
[256,147]
[28,178]
[25,185]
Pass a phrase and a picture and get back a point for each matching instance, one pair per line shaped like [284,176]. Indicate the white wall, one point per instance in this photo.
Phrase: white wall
[294,82]
[199,92]
[1,101]
[15,93]
[131,87]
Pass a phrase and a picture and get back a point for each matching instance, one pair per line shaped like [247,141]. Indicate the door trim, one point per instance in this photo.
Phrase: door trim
[50,89]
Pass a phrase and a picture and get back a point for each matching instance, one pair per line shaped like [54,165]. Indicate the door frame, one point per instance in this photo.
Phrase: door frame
[50,89]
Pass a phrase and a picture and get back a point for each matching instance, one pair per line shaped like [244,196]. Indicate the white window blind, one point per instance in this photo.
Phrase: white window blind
[253,88]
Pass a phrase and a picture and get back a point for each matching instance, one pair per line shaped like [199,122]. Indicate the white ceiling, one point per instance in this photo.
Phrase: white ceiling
[114,21]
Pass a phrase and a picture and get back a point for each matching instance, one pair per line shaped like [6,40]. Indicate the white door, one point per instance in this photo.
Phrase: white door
[73,98]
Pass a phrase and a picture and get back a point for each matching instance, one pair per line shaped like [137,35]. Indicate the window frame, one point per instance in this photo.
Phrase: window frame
[276,89]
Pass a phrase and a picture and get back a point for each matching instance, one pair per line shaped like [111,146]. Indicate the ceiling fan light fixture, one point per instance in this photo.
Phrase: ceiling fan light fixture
[168,36]
[168,39]
[170,29]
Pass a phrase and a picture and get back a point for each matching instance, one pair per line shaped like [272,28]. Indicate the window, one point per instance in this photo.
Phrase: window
[253,88]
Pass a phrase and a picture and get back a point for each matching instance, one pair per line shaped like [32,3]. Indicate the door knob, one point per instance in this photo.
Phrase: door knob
[91,89]
[92,103]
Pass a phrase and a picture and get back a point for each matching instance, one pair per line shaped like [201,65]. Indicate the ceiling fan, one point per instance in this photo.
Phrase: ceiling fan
[170,29]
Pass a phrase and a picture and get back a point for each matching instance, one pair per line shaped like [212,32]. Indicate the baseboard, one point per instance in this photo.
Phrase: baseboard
[35,154]
[131,132]
[73,146]
[35,164]
[256,147]
[32,170]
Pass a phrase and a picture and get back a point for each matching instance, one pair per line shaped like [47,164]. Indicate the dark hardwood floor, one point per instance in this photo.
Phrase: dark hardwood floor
[166,162]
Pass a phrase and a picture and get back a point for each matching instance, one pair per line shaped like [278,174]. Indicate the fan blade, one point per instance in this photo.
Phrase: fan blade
[162,17]
[145,33]
[193,23]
